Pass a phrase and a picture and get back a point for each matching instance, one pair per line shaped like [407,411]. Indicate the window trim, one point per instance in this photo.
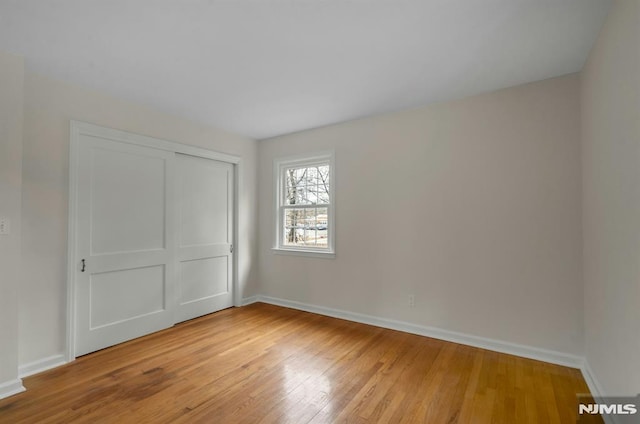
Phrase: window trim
[311,159]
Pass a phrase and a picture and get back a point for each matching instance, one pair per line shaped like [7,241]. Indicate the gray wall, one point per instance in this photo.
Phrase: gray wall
[610,85]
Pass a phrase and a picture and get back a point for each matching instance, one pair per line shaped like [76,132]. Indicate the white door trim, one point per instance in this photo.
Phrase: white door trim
[78,129]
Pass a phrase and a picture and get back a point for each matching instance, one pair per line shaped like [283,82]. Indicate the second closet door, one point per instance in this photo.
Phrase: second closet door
[204,236]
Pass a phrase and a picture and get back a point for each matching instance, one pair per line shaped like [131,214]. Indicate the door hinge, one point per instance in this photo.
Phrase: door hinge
[231,248]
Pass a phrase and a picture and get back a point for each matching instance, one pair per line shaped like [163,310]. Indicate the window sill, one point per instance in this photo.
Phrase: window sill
[307,253]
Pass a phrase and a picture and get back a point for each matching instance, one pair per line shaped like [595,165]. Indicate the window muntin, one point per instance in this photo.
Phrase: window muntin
[305,205]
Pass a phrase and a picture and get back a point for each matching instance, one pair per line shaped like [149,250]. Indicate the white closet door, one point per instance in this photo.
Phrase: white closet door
[204,236]
[125,241]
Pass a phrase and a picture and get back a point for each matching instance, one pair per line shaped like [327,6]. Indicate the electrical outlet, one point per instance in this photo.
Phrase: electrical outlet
[412,301]
[4,225]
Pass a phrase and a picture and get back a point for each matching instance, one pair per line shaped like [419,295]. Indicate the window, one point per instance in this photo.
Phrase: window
[305,205]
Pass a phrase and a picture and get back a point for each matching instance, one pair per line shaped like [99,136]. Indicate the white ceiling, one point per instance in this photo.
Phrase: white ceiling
[268,67]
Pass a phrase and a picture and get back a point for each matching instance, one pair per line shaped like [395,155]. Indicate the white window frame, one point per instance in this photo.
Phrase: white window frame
[279,166]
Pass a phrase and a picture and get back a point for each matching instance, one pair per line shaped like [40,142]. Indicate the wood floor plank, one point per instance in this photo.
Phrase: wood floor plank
[271,365]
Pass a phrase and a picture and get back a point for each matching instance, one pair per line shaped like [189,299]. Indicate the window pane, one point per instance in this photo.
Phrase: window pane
[293,227]
[323,174]
[323,194]
[322,221]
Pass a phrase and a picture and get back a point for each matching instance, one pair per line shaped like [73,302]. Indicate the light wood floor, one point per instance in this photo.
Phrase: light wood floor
[266,364]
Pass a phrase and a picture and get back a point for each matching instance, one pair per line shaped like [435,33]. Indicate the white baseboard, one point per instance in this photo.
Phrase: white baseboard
[596,390]
[249,300]
[530,352]
[10,388]
[41,365]
[594,386]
